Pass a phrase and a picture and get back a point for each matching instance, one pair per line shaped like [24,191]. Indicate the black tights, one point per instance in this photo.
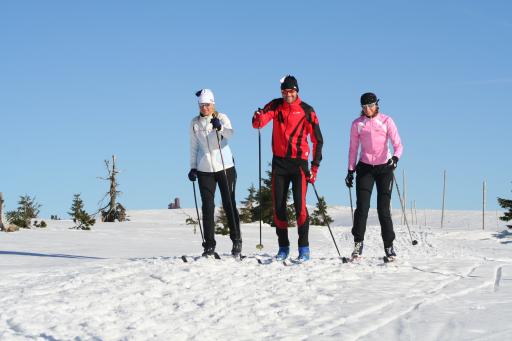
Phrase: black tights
[207,185]
[366,177]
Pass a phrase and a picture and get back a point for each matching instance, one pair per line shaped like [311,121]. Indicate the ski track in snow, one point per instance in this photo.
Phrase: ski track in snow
[447,287]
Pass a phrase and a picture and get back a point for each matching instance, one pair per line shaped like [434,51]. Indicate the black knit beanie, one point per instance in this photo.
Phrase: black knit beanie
[289,82]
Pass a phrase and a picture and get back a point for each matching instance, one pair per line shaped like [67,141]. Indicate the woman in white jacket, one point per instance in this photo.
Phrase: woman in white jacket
[206,165]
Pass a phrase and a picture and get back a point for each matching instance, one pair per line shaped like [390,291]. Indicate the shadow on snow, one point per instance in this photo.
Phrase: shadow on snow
[57,255]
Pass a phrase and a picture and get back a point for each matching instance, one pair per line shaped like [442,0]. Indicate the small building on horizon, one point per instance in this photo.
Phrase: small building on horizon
[175,204]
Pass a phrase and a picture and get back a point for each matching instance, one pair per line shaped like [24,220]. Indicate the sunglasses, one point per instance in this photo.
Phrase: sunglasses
[369,106]
[288,91]
[202,105]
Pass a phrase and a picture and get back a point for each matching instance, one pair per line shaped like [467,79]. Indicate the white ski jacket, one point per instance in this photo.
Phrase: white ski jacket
[204,147]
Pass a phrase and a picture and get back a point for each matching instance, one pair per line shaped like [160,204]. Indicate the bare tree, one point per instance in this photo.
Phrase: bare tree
[1,211]
[112,210]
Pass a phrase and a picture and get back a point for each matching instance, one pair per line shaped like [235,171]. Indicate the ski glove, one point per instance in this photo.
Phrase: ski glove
[311,177]
[393,162]
[216,123]
[257,117]
[349,180]
[192,175]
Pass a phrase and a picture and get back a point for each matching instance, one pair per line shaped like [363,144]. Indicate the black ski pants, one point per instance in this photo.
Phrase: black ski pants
[284,172]
[207,184]
[366,177]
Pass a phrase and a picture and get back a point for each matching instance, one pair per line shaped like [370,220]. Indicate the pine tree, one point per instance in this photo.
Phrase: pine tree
[506,203]
[266,202]
[76,207]
[193,222]
[317,218]
[290,211]
[247,212]
[80,217]
[27,209]
[221,223]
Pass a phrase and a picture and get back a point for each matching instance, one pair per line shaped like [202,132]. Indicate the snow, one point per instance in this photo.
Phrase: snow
[126,281]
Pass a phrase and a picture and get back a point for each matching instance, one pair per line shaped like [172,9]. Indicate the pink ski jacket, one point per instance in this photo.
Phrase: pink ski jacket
[373,134]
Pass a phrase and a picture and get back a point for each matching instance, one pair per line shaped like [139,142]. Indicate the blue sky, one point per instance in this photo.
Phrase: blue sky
[80,81]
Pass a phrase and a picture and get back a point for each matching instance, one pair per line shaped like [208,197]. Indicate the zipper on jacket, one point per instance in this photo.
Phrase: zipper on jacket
[208,145]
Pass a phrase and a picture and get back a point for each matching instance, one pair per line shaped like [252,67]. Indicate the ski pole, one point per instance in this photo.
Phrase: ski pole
[226,179]
[325,219]
[260,245]
[413,241]
[351,206]
[197,210]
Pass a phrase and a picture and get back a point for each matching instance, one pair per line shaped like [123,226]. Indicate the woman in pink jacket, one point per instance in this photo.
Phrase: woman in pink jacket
[371,131]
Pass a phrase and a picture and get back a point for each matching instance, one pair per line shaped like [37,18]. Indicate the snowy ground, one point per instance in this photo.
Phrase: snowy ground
[127,282]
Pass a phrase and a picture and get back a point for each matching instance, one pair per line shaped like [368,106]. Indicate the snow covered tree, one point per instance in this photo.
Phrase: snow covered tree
[83,220]
[317,217]
[506,203]
[248,214]
[27,209]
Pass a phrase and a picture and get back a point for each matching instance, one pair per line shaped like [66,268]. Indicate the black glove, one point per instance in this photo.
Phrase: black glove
[393,162]
[256,118]
[349,180]
[192,175]
[216,123]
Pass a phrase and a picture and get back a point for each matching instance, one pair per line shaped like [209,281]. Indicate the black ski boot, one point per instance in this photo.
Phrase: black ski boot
[237,248]
[209,252]
[390,254]
[358,250]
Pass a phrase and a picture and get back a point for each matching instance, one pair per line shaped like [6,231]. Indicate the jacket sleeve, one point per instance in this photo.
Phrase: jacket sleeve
[261,120]
[316,139]
[395,138]
[227,130]
[194,146]
[353,147]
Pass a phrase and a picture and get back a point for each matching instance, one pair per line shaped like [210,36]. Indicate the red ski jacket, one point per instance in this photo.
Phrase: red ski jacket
[292,125]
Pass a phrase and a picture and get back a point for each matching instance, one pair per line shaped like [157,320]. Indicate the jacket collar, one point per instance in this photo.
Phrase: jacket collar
[294,105]
[371,118]
[215,114]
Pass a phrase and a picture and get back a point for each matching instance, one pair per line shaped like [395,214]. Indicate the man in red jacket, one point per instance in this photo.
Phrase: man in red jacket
[293,121]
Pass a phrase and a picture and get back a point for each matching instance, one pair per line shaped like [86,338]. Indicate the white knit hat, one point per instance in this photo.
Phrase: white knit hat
[205,96]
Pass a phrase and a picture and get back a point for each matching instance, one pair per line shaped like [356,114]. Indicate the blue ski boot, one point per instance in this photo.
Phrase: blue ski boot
[303,254]
[283,253]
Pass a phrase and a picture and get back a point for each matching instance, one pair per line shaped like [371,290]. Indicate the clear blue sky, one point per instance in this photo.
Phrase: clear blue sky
[82,80]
